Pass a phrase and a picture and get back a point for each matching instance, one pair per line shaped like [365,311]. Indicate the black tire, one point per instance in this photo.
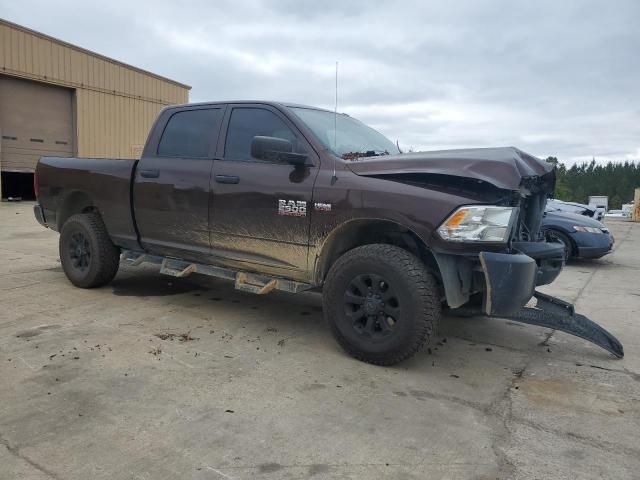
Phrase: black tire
[88,257]
[559,237]
[395,325]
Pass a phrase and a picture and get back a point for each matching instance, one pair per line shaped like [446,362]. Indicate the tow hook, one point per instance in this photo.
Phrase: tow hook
[551,312]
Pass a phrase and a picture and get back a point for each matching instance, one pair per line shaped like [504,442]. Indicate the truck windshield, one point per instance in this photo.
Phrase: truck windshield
[353,138]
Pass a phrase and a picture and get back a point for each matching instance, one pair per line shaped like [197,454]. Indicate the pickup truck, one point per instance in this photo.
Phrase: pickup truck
[290,197]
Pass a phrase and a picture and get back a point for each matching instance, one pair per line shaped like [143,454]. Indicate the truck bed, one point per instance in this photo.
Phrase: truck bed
[65,182]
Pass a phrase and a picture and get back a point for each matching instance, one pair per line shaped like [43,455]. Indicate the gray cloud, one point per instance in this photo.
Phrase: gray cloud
[553,78]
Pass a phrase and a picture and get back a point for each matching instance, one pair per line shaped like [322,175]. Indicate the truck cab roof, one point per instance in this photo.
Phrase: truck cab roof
[250,102]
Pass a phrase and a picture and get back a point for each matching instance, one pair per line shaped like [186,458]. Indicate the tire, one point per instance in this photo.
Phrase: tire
[88,257]
[393,326]
[559,237]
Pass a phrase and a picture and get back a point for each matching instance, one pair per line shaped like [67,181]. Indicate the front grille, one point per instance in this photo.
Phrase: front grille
[530,218]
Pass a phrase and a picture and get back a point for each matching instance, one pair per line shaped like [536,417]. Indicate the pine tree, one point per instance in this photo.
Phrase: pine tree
[616,180]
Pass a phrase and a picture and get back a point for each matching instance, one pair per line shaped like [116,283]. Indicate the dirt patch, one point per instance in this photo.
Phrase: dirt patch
[318,468]
[269,467]
[566,394]
[312,387]
[155,351]
[182,337]
[36,331]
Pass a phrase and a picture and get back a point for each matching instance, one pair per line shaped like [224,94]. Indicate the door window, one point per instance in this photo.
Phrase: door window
[190,133]
[246,123]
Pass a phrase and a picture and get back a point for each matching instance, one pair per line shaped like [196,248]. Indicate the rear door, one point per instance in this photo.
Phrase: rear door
[260,210]
[171,189]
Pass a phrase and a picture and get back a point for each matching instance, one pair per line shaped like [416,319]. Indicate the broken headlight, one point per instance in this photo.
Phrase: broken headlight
[478,223]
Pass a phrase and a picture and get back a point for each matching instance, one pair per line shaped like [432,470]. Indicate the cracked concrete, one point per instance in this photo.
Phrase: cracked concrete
[263,391]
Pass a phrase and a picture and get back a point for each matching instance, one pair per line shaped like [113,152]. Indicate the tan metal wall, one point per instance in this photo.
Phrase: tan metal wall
[112,126]
[115,103]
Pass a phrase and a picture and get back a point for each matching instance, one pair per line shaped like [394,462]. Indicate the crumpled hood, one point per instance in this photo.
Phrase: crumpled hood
[504,167]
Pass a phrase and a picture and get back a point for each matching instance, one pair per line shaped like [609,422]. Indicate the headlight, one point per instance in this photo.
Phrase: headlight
[587,229]
[484,223]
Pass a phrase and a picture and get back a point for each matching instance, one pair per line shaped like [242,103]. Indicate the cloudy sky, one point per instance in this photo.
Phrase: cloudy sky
[555,77]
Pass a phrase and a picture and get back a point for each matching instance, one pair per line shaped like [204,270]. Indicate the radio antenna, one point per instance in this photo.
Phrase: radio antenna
[335,131]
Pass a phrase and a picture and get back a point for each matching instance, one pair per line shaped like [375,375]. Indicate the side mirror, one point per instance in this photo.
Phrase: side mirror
[274,149]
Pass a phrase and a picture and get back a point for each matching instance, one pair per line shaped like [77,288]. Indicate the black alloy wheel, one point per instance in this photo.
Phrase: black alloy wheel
[381,303]
[89,258]
[79,251]
[372,306]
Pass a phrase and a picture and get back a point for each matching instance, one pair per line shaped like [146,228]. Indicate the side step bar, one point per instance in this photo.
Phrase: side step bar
[551,312]
[245,281]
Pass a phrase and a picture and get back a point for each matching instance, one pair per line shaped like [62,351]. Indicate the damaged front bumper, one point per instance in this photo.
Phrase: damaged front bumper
[509,282]
[510,279]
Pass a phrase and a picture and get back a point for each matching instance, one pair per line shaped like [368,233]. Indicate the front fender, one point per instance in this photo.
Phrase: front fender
[360,231]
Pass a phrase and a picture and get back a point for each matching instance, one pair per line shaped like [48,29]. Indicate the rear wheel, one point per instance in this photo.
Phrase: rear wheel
[559,237]
[88,257]
[381,303]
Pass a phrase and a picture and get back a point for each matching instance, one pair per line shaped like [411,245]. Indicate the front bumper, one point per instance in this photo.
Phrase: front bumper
[593,245]
[510,284]
[550,312]
[507,280]
[511,278]
[510,281]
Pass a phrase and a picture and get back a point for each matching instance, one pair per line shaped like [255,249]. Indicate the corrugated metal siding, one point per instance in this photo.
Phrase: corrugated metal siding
[113,126]
[115,103]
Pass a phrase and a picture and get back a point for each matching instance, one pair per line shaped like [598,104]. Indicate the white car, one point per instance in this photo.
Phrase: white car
[577,208]
[615,214]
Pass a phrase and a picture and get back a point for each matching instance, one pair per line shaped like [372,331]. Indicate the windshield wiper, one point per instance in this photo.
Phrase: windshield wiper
[368,153]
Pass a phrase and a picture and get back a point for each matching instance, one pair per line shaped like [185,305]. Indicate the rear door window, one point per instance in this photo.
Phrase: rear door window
[190,133]
[246,123]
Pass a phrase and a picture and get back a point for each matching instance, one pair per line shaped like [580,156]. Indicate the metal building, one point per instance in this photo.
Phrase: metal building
[60,99]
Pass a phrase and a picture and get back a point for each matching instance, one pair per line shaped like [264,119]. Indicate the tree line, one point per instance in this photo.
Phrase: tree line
[615,180]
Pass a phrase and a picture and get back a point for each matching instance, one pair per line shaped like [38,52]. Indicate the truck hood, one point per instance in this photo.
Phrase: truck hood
[504,167]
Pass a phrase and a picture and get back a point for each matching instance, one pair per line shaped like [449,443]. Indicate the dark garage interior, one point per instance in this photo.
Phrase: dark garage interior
[17,185]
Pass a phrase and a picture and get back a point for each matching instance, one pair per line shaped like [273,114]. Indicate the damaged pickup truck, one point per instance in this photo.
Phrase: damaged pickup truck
[290,197]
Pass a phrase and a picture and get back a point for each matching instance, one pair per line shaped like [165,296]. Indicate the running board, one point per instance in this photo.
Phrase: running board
[244,281]
[551,312]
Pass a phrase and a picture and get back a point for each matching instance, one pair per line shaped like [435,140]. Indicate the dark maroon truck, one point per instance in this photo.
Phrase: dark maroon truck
[290,197]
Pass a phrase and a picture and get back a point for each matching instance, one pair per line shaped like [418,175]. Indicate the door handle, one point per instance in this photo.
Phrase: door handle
[227,179]
[150,173]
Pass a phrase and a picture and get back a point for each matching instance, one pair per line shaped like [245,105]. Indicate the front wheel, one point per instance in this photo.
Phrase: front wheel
[381,303]
[88,257]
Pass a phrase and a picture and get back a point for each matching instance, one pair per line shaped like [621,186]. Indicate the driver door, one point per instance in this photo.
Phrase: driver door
[259,211]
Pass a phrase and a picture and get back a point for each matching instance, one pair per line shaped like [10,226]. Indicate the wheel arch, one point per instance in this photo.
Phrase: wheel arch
[572,243]
[74,202]
[358,232]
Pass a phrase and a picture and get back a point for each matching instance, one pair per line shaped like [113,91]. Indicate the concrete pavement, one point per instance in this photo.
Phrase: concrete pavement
[154,377]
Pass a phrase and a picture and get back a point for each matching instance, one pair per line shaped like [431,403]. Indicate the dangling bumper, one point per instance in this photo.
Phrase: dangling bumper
[511,278]
[510,284]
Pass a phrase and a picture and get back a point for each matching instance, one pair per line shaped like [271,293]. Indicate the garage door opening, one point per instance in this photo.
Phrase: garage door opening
[17,186]
[36,120]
